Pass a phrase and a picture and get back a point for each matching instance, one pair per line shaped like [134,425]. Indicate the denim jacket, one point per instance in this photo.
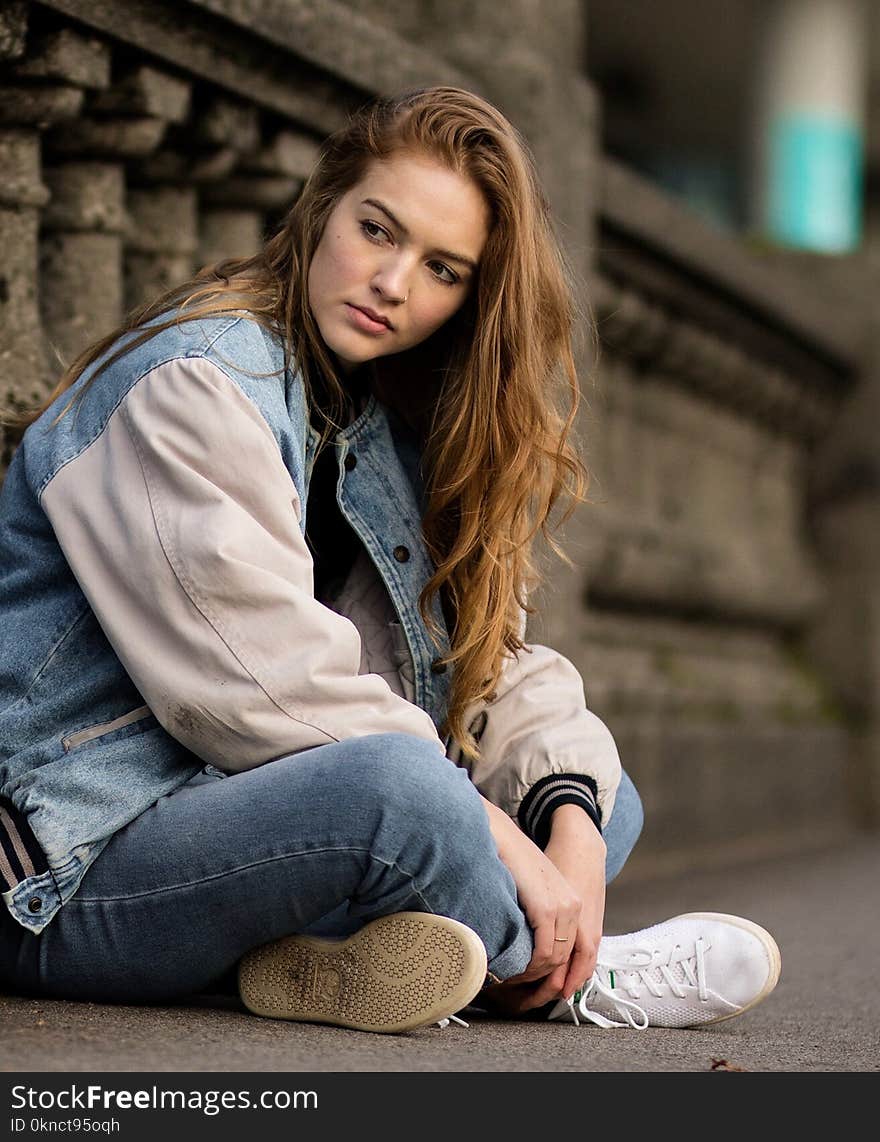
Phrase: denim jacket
[157,609]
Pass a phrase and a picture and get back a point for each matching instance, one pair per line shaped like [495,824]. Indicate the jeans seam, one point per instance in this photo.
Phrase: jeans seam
[82,901]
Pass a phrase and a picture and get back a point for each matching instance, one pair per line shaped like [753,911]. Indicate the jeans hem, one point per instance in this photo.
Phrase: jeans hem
[513,960]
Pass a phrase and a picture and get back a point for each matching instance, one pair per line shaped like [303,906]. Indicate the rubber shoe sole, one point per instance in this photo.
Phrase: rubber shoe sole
[395,974]
[770,946]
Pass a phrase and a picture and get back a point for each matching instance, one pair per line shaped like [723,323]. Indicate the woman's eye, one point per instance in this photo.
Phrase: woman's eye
[443,272]
[379,234]
[373,230]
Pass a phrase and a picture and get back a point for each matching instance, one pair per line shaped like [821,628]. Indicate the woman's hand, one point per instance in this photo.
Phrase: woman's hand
[549,901]
[572,903]
[577,849]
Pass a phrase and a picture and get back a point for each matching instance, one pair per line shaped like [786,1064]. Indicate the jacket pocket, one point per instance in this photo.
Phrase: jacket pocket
[102,729]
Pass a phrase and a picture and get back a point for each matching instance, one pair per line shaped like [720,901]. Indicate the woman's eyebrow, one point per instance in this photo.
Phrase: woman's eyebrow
[403,230]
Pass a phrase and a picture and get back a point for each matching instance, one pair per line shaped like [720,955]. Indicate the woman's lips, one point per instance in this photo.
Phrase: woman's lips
[366,324]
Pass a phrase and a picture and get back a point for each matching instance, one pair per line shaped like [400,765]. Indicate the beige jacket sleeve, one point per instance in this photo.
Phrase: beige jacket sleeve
[181,523]
[537,726]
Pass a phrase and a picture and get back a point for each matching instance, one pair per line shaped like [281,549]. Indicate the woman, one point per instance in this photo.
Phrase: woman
[266,555]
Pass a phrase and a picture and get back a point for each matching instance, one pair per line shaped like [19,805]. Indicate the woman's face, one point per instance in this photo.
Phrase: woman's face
[397,258]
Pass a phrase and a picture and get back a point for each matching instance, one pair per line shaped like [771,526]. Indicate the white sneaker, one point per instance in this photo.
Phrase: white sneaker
[395,974]
[689,971]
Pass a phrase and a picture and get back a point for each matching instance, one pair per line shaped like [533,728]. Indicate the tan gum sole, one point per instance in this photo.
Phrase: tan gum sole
[770,947]
[397,973]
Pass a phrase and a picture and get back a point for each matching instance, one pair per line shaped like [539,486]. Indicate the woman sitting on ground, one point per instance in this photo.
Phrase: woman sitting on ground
[266,557]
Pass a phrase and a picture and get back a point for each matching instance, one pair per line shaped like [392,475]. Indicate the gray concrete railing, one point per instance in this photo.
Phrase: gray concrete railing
[720,380]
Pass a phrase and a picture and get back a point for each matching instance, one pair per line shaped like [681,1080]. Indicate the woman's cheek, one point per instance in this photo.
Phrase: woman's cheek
[342,263]
[430,317]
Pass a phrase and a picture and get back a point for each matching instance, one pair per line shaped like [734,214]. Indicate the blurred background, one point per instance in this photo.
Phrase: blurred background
[714,169]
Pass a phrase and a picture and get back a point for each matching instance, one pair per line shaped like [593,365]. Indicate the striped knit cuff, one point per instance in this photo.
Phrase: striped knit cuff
[20,855]
[545,796]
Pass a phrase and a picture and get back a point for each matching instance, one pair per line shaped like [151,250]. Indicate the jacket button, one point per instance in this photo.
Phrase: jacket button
[401,554]
[350,461]
[438,667]
[35,904]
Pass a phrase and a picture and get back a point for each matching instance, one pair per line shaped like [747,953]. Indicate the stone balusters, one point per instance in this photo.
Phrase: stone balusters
[118,246]
[232,231]
[80,246]
[235,212]
[161,241]
[147,93]
[13,29]
[26,108]
[24,369]
[167,240]
[81,256]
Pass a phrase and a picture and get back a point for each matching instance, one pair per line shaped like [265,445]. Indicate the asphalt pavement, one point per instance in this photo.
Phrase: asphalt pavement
[821,906]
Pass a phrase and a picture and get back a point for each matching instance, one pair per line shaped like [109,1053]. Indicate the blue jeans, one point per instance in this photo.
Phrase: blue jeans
[322,842]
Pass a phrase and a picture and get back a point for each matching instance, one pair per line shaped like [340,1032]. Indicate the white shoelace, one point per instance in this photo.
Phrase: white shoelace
[452,1019]
[638,968]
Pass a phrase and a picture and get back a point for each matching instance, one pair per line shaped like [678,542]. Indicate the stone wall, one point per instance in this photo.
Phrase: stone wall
[140,140]
[137,142]
[702,583]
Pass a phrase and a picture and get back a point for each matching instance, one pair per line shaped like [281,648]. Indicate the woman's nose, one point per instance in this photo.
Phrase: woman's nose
[391,281]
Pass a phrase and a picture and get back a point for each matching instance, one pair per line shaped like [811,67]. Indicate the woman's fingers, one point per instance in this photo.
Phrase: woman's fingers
[564,978]
[578,851]
[554,936]
[544,957]
[580,967]
[552,906]
[547,989]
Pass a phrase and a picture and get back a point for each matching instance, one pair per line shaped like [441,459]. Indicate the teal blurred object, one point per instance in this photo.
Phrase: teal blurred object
[815,183]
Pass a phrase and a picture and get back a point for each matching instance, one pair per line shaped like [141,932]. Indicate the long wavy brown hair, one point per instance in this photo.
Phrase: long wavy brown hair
[498,390]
